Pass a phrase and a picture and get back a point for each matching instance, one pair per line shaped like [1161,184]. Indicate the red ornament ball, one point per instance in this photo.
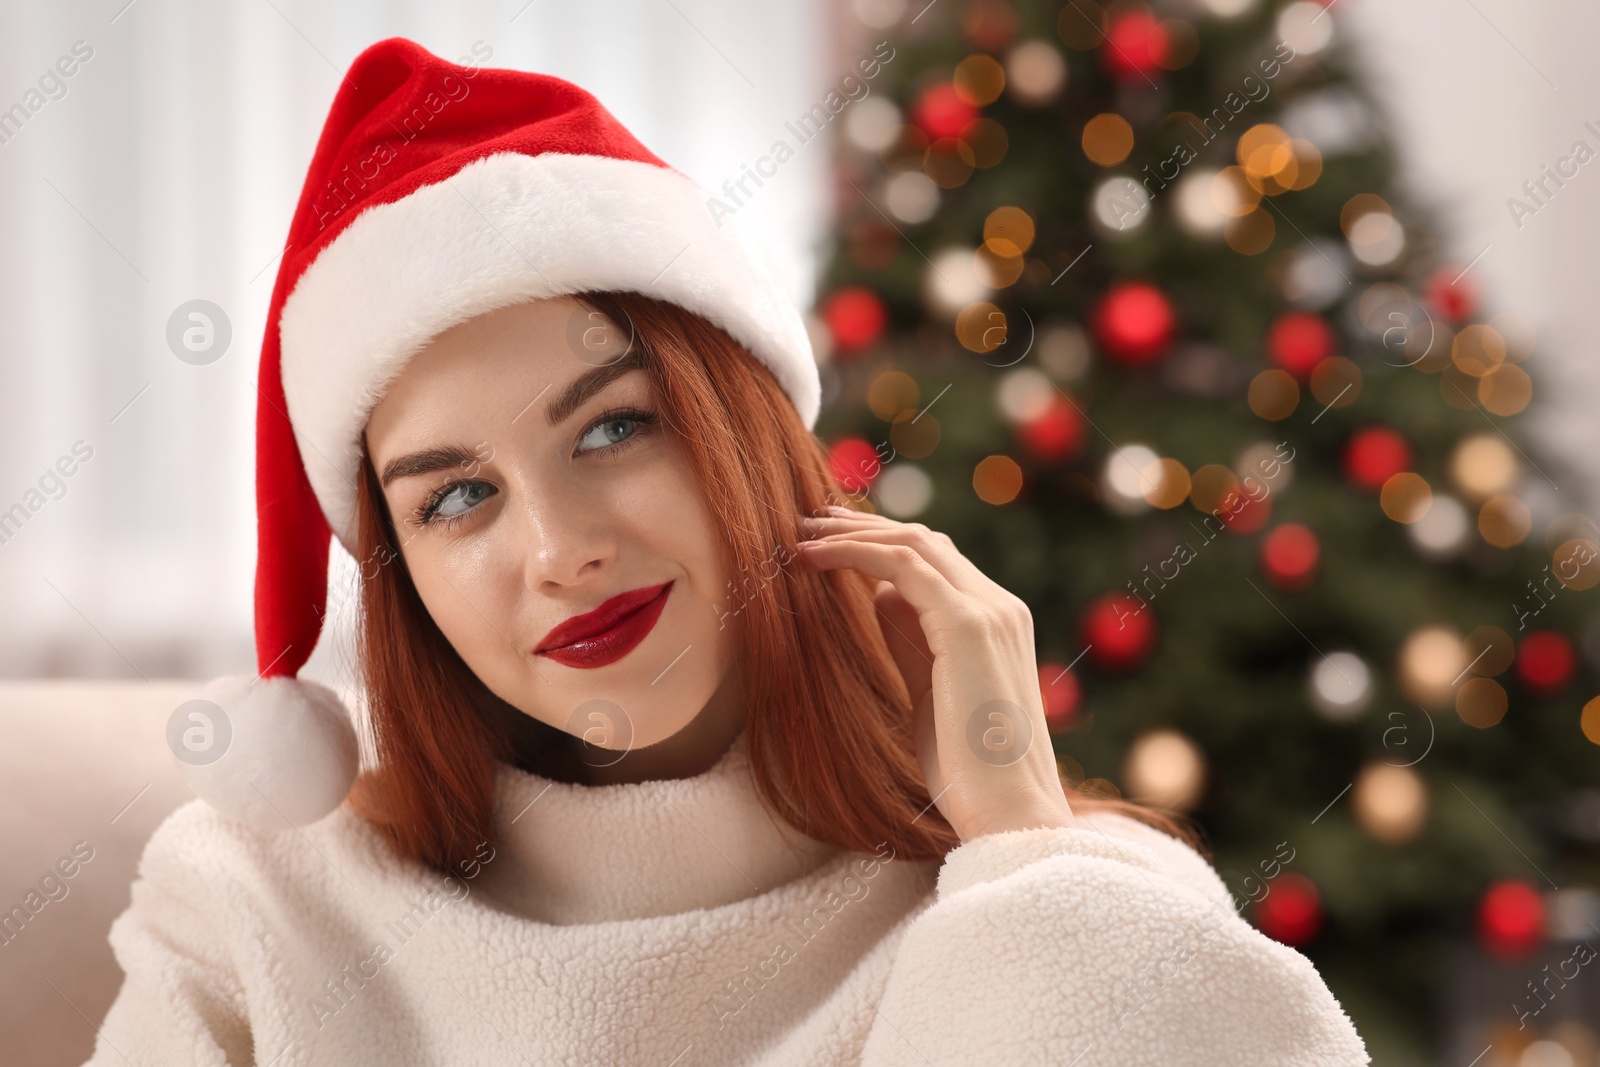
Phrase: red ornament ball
[855,317]
[1545,662]
[941,112]
[1241,513]
[1135,47]
[1120,632]
[1061,693]
[1289,557]
[1057,435]
[1135,323]
[854,463]
[1374,455]
[1456,301]
[1291,912]
[1298,340]
[1511,919]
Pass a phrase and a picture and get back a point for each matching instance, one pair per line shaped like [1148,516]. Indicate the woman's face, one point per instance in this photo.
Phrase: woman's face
[552,525]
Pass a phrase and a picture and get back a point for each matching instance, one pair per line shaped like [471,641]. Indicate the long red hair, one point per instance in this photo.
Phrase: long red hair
[828,715]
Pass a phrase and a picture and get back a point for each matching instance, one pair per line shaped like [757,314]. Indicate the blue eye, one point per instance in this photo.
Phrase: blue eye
[614,431]
[436,507]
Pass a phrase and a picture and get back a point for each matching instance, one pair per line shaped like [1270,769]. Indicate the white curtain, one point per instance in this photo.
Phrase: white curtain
[163,169]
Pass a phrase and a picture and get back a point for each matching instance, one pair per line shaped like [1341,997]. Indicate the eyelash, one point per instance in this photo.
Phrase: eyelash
[424,514]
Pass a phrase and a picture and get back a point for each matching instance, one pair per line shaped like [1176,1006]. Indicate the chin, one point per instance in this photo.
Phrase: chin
[662,716]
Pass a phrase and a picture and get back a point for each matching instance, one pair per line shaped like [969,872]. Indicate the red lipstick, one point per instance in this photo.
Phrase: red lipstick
[607,633]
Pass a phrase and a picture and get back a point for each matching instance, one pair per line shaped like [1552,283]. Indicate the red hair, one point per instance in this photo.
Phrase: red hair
[828,716]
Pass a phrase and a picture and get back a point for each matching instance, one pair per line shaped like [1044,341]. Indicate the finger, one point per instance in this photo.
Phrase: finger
[935,547]
[908,645]
[917,580]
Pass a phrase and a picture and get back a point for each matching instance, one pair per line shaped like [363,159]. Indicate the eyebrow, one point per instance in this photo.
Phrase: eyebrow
[428,460]
[589,383]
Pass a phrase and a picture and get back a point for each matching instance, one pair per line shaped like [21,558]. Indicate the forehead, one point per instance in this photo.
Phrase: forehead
[488,370]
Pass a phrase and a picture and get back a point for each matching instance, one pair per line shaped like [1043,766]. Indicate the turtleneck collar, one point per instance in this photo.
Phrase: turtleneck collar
[572,854]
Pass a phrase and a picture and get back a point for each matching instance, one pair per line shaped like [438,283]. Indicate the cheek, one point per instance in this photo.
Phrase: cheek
[471,594]
[667,516]
[664,521]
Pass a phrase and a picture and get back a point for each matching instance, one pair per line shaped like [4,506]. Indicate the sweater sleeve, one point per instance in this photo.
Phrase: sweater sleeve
[181,1001]
[1106,943]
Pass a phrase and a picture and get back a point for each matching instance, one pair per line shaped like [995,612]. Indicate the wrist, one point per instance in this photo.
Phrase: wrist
[1047,812]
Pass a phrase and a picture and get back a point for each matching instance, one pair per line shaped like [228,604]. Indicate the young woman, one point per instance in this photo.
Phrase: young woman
[678,754]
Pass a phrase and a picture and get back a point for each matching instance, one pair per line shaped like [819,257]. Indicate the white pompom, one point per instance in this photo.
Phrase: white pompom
[274,754]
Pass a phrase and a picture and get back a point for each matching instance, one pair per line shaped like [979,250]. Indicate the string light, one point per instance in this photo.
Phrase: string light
[1035,73]
[1341,686]
[979,80]
[1196,205]
[1123,480]
[892,392]
[1390,802]
[911,196]
[1165,768]
[1504,521]
[1274,394]
[1405,497]
[1443,530]
[1107,139]
[1481,702]
[950,283]
[997,479]
[1166,483]
[1316,274]
[1024,394]
[1302,26]
[1482,465]
[1119,205]
[873,124]
[903,490]
[1430,661]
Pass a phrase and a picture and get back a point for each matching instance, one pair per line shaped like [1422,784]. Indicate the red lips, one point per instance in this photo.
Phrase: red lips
[607,633]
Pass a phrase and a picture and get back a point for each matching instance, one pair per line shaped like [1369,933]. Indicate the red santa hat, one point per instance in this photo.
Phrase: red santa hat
[437,192]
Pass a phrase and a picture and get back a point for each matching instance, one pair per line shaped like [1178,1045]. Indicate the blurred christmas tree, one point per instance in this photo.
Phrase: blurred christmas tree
[1128,302]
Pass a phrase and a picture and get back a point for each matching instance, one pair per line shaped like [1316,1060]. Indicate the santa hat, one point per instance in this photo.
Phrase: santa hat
[437,192]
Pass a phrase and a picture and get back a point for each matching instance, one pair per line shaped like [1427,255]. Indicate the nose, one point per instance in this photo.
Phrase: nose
[565,539]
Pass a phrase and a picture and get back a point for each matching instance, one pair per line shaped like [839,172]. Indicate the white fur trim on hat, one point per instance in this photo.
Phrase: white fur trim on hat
[504,229]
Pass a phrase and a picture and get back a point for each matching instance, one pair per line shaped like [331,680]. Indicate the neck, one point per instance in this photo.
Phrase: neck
[568,853]
[691,751]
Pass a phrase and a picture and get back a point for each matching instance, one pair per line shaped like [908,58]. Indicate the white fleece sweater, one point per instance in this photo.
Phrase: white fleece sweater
[673,923]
